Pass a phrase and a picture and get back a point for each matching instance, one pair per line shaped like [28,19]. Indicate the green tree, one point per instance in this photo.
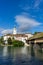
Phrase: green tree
[2,40]
[35,33]
[9,41]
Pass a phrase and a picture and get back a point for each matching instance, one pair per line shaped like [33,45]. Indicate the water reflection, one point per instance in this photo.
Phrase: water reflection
[39,53]
[5,51]
[32,51]
[21,56]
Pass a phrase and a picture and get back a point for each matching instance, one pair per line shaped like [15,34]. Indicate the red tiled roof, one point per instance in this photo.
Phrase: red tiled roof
[17,35]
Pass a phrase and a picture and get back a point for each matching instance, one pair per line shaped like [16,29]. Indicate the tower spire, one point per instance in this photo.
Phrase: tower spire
[14,30]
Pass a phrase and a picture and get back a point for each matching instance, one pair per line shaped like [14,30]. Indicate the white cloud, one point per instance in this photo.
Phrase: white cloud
[37,3]
[6,31]
[25,23]
[34,4]
[26,8]
[1,29]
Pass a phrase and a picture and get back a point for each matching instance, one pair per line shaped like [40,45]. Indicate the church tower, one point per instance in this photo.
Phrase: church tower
[14,31]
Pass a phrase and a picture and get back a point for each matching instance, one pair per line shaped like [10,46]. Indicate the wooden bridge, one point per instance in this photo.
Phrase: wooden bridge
[36,39]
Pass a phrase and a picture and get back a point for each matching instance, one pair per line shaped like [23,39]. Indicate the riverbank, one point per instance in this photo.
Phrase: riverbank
[15,43]
[5,45]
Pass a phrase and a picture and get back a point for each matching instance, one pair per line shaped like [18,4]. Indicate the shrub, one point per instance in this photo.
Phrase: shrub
[17,43]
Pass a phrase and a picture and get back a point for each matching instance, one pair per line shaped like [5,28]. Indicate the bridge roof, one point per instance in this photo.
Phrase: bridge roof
[36,36]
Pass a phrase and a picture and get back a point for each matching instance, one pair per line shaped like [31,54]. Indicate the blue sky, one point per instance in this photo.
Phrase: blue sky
[26,15]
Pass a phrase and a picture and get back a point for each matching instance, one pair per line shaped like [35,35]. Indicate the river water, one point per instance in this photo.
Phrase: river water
[20,56]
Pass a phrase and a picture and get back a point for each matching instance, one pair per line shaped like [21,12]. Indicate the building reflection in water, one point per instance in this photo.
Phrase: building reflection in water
[38,52]
[5,51]
[25,53]
[32,51]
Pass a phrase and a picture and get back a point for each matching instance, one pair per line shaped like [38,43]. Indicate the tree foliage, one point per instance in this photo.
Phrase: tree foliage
[1,40]
[35,33]
[9,41]
[17,43]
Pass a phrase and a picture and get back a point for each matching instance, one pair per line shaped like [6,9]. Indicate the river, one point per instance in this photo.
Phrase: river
[20,56]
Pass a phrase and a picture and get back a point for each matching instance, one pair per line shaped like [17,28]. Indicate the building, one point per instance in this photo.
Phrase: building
[14,31]
[16,36]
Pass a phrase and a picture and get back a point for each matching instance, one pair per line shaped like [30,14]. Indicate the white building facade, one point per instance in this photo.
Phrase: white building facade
[20,37]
